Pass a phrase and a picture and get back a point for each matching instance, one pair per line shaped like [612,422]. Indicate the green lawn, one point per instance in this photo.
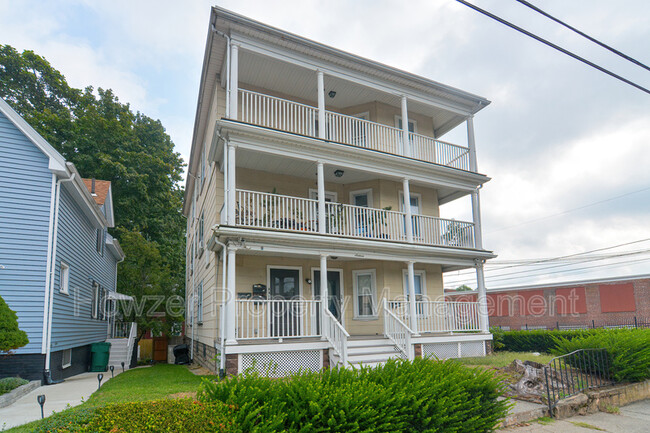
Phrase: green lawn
[501,359]
[140,384]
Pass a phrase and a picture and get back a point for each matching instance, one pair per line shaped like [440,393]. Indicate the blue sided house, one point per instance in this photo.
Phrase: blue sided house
[58,264]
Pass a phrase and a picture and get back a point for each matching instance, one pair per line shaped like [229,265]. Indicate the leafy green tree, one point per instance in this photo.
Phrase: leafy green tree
[105,139]
[11,337]
[463,288]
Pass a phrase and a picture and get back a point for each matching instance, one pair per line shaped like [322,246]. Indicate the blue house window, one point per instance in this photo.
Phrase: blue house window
[101,240]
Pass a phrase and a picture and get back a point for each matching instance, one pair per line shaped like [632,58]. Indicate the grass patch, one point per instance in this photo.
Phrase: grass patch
[586,425]
[502,359]
[8,384]
[140,384]
[544,420]
[614,410]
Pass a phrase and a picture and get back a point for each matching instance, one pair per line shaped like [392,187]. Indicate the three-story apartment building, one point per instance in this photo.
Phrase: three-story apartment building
[313,230]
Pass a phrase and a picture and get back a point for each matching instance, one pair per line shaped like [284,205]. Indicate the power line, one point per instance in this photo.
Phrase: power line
[596,41]
[552,45]
[570,210]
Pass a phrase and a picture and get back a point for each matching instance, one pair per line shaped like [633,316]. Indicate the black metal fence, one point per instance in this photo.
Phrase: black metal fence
[631,322]
[575,372]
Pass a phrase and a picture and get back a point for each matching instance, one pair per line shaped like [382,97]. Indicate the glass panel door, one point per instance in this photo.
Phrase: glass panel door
[285,285]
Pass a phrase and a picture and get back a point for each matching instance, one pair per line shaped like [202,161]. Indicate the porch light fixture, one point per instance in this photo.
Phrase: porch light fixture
[338,173]
[308,280]
[331,94]
[41,400]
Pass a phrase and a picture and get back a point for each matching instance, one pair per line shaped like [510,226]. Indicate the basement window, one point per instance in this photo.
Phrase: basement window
[66,358]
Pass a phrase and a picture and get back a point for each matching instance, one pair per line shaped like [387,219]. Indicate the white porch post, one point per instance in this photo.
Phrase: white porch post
[232,185]
[471,144]
[234,81]
[231,321]
[324,296]
[321,198]
[407,210]
[412,308]
[406,146]
[321,104]
[484,322]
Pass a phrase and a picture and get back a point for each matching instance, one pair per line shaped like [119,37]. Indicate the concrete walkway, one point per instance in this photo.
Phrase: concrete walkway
[74,391]
[634,418]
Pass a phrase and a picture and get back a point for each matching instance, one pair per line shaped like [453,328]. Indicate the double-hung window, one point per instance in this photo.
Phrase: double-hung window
[94,305]
[365,294]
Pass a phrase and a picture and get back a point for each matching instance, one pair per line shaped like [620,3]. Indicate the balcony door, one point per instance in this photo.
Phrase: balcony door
[360,130]
[330,211]
[415,210]
[334,292]
[360,218]
[284,285]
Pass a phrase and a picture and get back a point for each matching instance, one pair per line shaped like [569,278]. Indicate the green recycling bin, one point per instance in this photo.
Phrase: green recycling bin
[99,353]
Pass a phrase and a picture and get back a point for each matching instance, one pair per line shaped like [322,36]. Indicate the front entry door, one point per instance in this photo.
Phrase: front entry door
[333,290]
[285,285]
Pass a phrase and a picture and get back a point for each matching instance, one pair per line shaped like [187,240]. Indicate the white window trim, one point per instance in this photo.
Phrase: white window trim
[94,307]
[355,285]
[413,194]
[341,284]
[268,278]
[199,304]
[64,271]
[69,363]
[398,117]
[332,195]
[367,191]
[423,279]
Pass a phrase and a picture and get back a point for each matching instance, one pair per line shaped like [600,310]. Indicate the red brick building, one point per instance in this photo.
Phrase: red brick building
[576,304]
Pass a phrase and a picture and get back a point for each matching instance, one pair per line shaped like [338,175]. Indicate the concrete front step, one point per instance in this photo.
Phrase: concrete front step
[368,352]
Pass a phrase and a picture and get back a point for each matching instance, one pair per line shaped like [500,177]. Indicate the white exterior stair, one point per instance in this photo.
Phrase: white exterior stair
[368,353]
[119,353]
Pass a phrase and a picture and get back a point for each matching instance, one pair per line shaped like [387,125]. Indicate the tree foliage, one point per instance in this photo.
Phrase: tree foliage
[105,139]
[11,337]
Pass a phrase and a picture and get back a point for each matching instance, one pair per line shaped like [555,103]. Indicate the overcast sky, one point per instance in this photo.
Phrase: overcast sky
[557,138]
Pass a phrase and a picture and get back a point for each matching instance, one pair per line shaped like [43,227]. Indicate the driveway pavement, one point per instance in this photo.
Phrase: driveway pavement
[634,418]
[72,392]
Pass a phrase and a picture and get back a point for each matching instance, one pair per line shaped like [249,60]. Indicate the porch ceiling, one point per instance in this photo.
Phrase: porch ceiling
[298,83]
[279,164]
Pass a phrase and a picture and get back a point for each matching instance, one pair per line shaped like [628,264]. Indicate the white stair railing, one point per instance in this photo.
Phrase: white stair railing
[398,332]
[133,334]
[337,336]
[276,318]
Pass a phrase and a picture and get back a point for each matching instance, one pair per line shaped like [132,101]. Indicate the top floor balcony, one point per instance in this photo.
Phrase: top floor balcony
[303,119]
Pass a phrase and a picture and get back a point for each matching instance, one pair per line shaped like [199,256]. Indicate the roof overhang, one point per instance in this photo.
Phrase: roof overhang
[115,248]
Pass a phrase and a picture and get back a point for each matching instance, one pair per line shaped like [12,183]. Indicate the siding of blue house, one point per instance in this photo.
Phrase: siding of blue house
[72,324]
[25,191]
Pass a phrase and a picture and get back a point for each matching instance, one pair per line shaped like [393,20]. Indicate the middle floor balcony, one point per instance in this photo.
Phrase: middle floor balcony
[270,211]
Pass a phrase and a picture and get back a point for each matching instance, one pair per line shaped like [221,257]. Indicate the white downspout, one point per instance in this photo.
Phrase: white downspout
[48,348]
[194,267]
[48,267]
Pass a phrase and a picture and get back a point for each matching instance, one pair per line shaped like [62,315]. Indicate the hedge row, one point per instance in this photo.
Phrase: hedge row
[422,395]
[10,383]
[628,351]
[539,340]
[172,415]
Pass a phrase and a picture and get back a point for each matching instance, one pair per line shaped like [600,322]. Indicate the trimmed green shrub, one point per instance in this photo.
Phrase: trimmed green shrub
[422,395]
[538,340]
[11,337]
[170,415]
[10,383]
[628,351]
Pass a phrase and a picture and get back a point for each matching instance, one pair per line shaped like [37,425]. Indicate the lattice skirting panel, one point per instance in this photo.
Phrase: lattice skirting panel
[460,349]
[280,364]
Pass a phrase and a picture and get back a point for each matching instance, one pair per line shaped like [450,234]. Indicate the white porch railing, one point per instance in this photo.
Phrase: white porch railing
[430,230]
[363,133]
[281,212]
[439,152]
[364,222]
[398,332]
[282,318]
[277,113]
[281,114]
[133,334]
[120,330]
[336,335]
[439,316]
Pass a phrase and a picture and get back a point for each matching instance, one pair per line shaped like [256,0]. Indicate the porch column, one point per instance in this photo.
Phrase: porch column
[234,81]
[232,185]
[324,296]
[231,321]
[412,308]
[321,198]
[321,104]
[483,317]
[476,217]
[406,146]
[471,144]
[408,223]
